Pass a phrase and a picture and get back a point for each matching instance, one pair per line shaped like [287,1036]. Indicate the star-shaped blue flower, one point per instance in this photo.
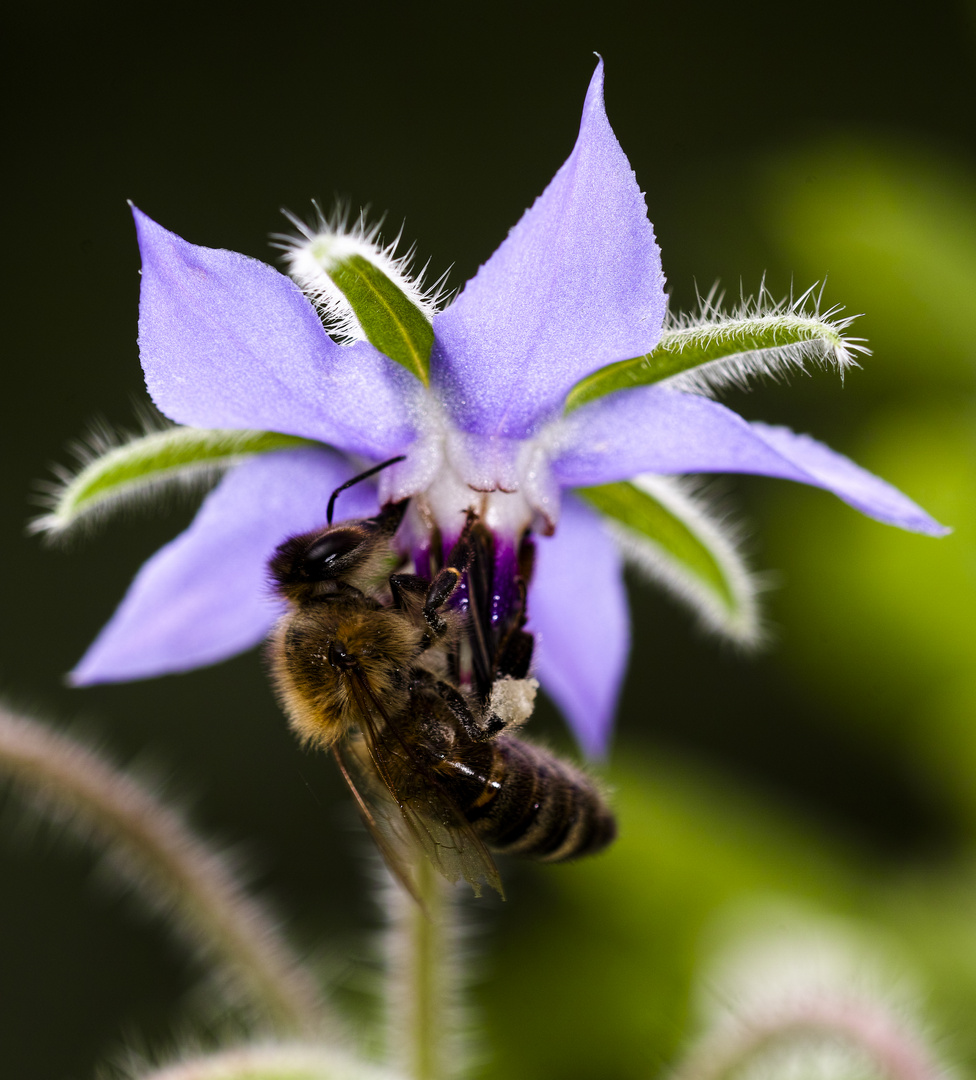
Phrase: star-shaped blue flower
[228,342]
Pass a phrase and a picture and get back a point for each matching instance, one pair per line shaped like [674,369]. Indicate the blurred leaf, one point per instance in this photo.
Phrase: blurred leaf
[883,622]
[882,625]
[616,943]
[614,951]
[894,229]
[934,914]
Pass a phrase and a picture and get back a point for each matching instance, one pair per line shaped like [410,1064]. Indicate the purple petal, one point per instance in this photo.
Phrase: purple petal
[651,429]
[205,596]
[582,637]
[228,342]
[576,285]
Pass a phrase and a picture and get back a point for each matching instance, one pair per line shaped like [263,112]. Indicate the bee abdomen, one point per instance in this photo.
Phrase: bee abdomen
[539,807]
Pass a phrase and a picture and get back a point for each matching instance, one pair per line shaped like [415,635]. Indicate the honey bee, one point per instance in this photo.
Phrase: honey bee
[417,701]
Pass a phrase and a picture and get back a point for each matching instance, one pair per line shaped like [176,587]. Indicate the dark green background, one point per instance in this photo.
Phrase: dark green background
[453,119]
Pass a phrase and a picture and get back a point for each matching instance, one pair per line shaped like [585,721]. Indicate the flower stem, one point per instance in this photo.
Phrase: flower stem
[423,977]
[191,882]
[268,1061]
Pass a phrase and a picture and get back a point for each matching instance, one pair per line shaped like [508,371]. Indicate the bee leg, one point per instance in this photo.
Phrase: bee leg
[476,732]
[423,683]
[447,579]
[515,655]
[456,703]
[404,585]
[495,726]
[438,593]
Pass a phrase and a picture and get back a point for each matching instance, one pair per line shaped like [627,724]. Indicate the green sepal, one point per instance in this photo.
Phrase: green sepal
[667,533]
[719,350]
[113,476]
[391,321]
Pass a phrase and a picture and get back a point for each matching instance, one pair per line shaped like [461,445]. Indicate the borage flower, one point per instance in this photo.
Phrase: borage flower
[552,396]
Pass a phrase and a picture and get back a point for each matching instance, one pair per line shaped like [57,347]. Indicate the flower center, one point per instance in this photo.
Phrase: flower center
[447,472]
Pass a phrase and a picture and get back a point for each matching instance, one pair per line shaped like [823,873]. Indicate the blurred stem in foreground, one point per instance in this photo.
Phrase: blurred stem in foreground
[172,869]
[270,1061]
[423,983]
[775,1000]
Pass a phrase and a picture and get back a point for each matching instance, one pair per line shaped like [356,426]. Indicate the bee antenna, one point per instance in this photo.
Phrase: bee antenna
[355,480]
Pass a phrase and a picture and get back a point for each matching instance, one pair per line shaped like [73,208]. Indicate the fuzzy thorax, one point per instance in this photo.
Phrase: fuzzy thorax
[331,662]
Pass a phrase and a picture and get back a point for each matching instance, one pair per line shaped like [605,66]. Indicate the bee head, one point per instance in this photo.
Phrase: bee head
[342,558]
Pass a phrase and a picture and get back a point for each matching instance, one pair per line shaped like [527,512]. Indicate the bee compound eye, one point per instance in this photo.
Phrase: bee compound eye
[327,550]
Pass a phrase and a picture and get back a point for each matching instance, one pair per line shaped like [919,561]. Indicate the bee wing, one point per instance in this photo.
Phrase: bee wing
[378,825]
[425,816]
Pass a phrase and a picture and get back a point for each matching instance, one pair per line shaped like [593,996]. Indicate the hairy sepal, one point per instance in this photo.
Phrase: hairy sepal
[668,533]
[363,291]
[114,474]
[705,352]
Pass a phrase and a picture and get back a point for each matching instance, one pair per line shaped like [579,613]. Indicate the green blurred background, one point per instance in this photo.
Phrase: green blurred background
[837,769]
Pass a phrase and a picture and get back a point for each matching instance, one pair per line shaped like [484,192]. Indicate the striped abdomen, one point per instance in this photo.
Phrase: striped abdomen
[523,800]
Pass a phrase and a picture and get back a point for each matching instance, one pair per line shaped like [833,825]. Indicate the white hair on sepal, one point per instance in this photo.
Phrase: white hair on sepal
[68,512]
[806,334]
[321,246]
[696,505]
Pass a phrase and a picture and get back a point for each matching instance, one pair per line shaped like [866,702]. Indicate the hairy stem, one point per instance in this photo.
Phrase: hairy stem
[862,1025]
[423,978]
[170,866]
[269,1061]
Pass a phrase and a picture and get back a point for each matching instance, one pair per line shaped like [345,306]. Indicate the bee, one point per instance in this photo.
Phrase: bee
[417,701]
